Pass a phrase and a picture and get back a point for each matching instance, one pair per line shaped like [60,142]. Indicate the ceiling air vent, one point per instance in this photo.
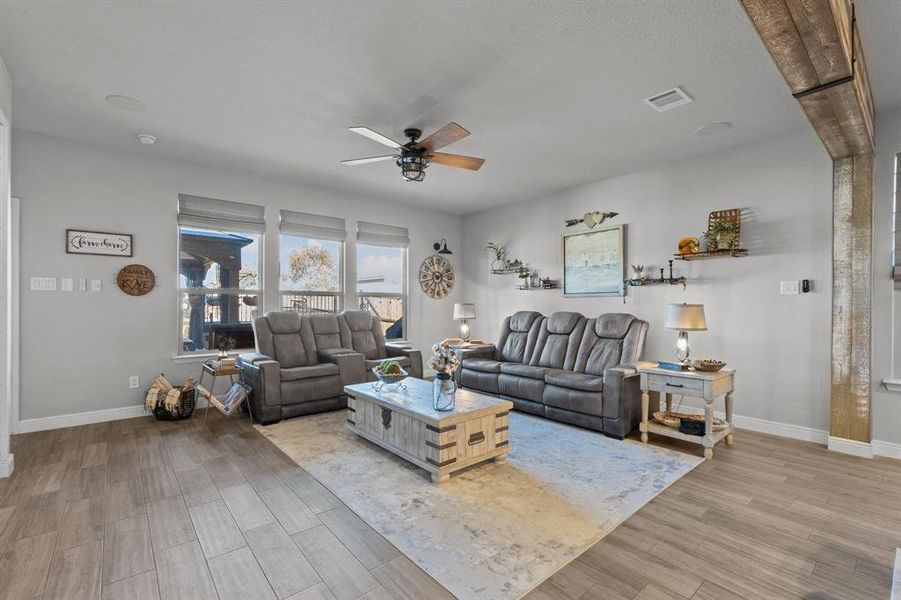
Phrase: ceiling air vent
[668,99]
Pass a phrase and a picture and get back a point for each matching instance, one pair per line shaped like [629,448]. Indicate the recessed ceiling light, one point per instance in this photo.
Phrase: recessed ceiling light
[126,103]
[714,128]
[146,138]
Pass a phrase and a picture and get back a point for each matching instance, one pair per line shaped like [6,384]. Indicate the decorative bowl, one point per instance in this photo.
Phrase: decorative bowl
[388,379]
[708,365]
[689,245]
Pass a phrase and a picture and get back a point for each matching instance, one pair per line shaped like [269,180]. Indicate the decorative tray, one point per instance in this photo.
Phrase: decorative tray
[671,419]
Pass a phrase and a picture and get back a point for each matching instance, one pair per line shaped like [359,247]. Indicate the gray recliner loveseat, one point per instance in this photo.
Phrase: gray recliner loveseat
[303,362]
[565,367]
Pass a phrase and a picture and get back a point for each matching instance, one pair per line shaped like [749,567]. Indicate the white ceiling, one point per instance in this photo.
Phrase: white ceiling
[879,22]
[551,91]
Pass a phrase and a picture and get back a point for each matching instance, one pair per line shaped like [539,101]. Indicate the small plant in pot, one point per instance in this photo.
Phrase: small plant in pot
[500,255]
[225,344]
[444,362]
[638,271]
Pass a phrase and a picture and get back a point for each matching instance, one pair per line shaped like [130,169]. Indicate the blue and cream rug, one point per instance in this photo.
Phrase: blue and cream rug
[496,530]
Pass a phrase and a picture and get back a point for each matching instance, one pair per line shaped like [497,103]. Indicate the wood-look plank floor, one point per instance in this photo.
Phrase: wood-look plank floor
[145,509]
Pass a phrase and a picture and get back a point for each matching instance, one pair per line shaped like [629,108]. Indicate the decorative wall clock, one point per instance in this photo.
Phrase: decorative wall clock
[436,277]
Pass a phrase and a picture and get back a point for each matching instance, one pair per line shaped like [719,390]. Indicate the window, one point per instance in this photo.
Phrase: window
[219,273]
[311,262]
[382,276]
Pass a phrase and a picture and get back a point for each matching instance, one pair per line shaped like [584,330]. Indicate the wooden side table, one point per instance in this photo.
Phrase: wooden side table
[695,384]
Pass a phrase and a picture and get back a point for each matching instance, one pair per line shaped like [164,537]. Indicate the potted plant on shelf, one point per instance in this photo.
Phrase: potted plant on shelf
[444,362]
[638,271]
[500,253]
[225,344]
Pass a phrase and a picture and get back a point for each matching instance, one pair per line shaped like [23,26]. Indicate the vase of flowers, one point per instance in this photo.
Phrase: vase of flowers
[444,390]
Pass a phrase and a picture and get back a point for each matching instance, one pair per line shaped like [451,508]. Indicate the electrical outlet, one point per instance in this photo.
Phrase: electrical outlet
[789,288]
[134,382]
[96,285]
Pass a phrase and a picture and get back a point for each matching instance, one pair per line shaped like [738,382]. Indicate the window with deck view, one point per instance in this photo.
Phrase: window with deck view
[311,262]
[382,276]
[219,274]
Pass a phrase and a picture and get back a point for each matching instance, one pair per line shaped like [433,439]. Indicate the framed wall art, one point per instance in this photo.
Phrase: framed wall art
[594,263]
[98,243]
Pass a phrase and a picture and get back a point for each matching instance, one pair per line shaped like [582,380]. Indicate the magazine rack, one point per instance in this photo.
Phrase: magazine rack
[233,398]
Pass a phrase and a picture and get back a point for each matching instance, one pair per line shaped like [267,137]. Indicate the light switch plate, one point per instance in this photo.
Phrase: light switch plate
[790,288]
[43,284]
[67,284]
[82,284]
[96,285]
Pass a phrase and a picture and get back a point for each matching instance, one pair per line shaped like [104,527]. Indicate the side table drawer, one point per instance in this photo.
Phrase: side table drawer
[673,384]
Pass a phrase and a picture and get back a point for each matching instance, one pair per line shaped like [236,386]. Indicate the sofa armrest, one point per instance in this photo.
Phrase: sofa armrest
[263,375]
[351,365]
[621,400]
[413,354]
[481,351]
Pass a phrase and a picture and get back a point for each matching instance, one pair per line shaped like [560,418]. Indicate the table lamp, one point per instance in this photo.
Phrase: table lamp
[684,318]
[463,312]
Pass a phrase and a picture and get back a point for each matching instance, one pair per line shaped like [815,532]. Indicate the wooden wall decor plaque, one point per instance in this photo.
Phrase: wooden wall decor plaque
[136,280]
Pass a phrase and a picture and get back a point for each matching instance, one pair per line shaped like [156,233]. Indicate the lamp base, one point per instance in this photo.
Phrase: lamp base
[682,348]
[465,332]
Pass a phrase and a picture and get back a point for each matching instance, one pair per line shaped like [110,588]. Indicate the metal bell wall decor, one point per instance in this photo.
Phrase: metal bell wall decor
[591,219]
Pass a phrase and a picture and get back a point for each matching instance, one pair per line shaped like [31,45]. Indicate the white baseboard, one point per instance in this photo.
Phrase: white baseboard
[852,447]
[7,466]
[82,418]
[796,432]
[889,449]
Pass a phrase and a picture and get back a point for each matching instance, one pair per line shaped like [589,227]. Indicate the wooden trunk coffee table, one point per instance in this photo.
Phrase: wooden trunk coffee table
[404,423]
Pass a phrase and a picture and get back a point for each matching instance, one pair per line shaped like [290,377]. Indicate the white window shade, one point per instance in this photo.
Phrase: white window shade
[382,235]
[896,258]
[210,213]
[312,226]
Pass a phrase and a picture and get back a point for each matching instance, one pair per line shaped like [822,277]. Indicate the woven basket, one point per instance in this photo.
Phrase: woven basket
[671,419]
[183,410]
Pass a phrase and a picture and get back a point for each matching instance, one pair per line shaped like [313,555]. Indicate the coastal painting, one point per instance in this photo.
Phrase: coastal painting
[593,263]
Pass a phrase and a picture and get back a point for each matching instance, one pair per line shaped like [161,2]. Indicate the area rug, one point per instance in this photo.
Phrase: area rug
[494,531]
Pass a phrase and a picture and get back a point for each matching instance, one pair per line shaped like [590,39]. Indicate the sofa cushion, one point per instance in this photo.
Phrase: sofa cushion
[518,334]
[523,370]
[485,365]
[587,403]
[576,381]
[480,381]
[320,370]
[558,340]
[613,325]
[366,335]
[525,388]
[311,390]
[327,332]
[283,321]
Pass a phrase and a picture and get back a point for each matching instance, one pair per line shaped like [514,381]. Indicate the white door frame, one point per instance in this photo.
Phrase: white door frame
[8,350]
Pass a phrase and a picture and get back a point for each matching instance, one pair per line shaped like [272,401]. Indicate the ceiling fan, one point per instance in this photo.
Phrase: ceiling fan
[415,156]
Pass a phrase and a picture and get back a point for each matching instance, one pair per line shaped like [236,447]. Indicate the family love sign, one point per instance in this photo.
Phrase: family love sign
[97,242]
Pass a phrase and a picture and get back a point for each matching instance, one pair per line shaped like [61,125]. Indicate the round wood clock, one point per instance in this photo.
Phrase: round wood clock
[436,277]
[136,280]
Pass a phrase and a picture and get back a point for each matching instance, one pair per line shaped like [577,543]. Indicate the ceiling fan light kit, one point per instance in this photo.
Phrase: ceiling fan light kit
[414,157]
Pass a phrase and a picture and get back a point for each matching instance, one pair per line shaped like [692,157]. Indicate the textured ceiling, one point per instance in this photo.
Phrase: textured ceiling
[551,91]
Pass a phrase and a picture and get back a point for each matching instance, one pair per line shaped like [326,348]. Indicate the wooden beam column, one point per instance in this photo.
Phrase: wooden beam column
[817,47]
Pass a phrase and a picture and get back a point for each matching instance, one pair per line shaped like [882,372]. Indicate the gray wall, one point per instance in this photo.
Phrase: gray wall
[78,348]
[780,345]
[886,300]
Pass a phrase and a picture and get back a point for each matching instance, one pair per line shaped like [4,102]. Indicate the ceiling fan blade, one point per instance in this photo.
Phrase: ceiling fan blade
[376,136]
[371,159]
[448,134]
[457,160]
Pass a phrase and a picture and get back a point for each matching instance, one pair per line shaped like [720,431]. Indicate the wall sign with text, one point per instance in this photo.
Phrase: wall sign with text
[136,280]
[98,242]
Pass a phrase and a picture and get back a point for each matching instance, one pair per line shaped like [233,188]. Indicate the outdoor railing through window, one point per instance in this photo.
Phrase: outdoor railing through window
[311,304]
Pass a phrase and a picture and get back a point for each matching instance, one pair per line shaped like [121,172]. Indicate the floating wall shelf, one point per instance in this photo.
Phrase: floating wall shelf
[737,253]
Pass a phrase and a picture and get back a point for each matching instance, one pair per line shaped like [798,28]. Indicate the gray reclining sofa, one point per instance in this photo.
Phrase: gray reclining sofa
[564,367]
[303,362]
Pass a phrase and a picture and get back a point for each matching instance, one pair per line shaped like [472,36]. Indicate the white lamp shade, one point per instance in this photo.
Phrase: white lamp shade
[465,310]
[685,317]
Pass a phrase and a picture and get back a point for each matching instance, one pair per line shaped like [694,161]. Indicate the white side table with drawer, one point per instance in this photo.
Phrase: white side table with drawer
[695,384]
